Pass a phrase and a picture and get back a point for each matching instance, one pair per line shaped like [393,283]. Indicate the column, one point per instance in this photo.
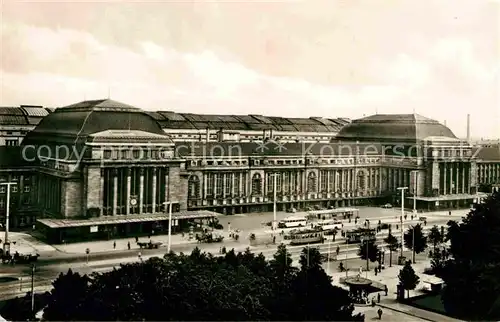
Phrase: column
[457,176]
[224,188]
[141,190]
[168,195]
[153,209]
[205,179]
[349,179]
[242,184]
[463,178]
[101,194]
[378,179]
[232,184]
[129,179]
[445,186]
[115,191]
[328,181]
[215,184]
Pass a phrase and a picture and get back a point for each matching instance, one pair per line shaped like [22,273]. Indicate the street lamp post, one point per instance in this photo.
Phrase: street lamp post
[402,189]
[329,250]
[7,211]
[367,234]
[169,204]
[415,182]
[274,201]
[413,243]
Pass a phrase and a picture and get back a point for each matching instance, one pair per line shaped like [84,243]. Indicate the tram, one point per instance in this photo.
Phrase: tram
[359,234]
[306,236]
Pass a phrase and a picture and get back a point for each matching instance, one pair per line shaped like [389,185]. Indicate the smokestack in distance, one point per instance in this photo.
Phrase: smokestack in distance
[468,127]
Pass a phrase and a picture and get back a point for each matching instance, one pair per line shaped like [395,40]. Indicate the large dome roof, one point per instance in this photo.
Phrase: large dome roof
[74,123]
[394,127]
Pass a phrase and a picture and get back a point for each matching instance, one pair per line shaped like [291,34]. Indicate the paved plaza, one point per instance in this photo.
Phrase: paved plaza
[245,223]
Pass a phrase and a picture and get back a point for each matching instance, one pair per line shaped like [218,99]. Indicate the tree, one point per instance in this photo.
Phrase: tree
[471,275]
[407,278]
[438,262]
[310,257]
[371,251]
[435,237]
[311,298]
[392,244]
[416,234]
[199,286]
[68,297]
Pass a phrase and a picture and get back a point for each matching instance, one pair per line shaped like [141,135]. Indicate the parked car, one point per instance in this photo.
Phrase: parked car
[387,205]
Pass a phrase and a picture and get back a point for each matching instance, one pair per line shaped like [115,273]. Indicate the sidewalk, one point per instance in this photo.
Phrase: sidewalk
[122,243]
[392,304]
[26,244]
[389,277]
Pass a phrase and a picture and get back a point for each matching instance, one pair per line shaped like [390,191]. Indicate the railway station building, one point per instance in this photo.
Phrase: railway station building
[98,169]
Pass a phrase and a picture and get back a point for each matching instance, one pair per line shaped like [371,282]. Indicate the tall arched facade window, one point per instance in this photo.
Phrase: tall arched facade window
[194,187]
[256,184]
[311,182]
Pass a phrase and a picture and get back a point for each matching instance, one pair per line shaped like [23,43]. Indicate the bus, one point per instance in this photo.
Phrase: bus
[306,236]
[357,235]
[329,227]
[293,221]
[336,213]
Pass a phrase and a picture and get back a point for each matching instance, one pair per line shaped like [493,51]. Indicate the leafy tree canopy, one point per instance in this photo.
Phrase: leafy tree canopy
[407,277]
[435,237]
[371,251]
[472,274]
[199,286]
[415,234]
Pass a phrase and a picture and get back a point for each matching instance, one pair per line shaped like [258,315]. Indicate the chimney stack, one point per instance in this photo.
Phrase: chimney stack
[468,127]
[444,122]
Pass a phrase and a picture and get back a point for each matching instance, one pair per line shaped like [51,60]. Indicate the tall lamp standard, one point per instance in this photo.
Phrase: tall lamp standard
[274,176]
[6,245]
[402,189]
[169,203]
[415,182]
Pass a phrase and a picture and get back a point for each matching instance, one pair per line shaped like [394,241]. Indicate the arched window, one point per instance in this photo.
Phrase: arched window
[256,184]
[193,187]
[311,182]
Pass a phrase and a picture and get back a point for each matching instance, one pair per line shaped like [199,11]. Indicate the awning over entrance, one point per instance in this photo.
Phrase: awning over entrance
[123,219]
[463,196]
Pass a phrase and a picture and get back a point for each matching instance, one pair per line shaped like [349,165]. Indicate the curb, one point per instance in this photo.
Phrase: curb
[385,306]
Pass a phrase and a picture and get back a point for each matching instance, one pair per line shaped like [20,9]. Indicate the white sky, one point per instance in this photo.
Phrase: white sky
[332,58]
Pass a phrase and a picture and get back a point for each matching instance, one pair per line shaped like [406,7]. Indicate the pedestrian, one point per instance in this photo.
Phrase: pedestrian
[338,250]
[136,239]
[406,216]
[378,297]
[397,227]
[114,245]
[128,245]
[376,270]
[425,222]
[274,239]
[449,213]
[411,217]
[379,312]
[386,290]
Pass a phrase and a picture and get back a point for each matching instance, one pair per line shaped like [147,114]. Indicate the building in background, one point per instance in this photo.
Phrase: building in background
[16,122]
[102,168]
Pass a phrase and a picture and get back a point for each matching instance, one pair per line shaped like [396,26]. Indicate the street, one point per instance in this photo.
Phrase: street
[48,269]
